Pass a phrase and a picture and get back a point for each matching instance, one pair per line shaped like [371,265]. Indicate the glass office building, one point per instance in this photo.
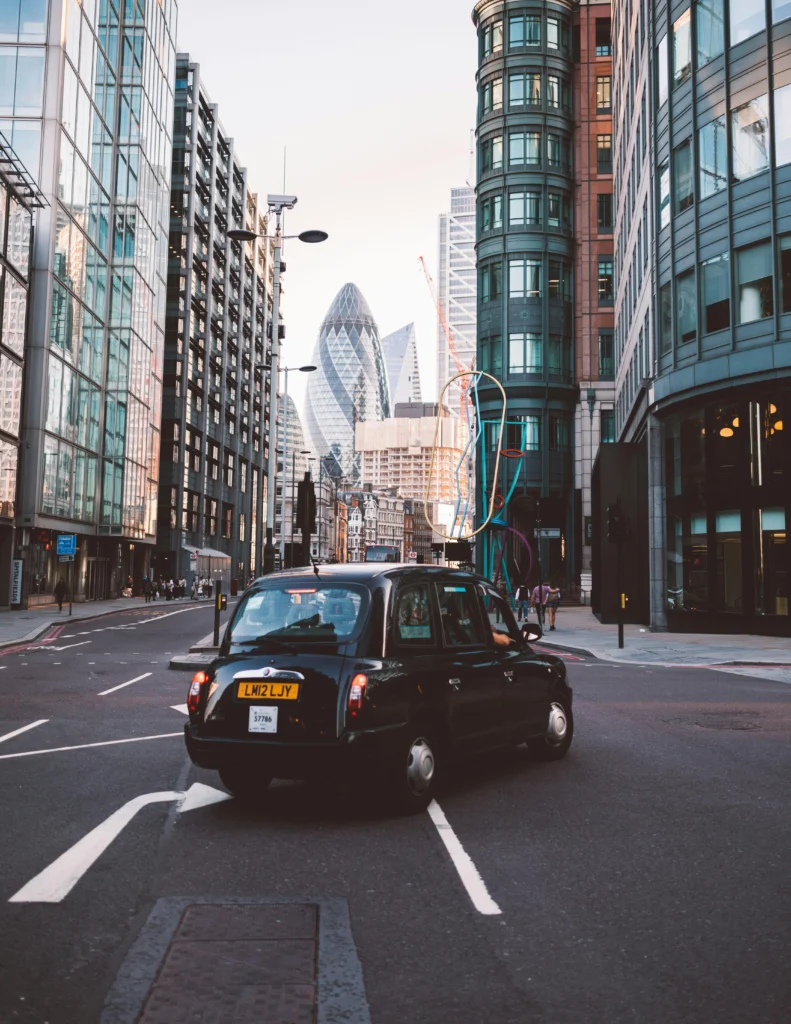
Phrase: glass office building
[703,332]
[92,86]
[217,387]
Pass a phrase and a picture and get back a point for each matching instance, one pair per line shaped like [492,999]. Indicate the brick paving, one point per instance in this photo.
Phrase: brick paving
[247,964]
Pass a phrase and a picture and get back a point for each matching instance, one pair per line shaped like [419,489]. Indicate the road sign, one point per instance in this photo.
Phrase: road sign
[193,556]
[551,533]
[67,544]
[65,558]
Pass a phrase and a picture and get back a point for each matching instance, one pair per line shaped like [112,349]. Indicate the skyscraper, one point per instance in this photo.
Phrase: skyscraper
[95,339]
[457,290]
[403,369]
[351,383]
[216,398]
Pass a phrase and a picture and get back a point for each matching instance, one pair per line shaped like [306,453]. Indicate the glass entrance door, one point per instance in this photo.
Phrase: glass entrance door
[97,579]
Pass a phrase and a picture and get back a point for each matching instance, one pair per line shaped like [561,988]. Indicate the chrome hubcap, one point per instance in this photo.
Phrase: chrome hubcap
[420,766]
[558,725]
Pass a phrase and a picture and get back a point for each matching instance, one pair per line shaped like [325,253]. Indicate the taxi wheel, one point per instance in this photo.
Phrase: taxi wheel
[555,744]
[245,785]
[412,774]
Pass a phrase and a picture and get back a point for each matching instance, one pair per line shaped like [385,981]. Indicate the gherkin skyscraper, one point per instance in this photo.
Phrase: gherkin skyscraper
[351,382]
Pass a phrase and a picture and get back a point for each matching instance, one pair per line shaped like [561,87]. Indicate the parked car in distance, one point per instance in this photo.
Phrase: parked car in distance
[373,671]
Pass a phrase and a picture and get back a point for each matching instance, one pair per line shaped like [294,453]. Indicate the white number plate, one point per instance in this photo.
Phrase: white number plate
[263,720]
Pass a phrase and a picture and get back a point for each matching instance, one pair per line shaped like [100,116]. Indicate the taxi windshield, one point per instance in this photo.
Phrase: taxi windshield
[292,613]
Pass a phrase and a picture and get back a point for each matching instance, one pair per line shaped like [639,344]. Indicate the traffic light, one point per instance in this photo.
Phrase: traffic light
[617,525]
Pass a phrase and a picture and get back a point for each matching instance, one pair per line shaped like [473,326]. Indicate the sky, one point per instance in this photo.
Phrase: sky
[373,103]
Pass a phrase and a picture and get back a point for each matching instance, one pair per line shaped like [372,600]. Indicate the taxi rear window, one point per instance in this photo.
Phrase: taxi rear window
[294,613]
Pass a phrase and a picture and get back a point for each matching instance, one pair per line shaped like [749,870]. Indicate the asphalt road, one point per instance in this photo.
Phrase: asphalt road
[644,879]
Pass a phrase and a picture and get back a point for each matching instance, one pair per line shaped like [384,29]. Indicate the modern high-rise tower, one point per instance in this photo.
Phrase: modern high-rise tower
[403,369]
[457,289]
[351,384]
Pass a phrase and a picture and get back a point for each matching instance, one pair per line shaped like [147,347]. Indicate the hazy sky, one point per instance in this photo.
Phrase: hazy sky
[374,102]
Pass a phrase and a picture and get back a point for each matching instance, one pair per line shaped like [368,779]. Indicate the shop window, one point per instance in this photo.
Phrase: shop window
[773,562]
[661,72]
[728,562]
[687,562]
[686,308]
[713,157]
[684,189]
[682,48]
[664,195]
[750,129]
[710,25]
[716,294]
[768,424]
[747,18]
[755,299]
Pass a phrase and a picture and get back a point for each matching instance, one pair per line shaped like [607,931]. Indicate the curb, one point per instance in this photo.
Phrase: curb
[611,659]
[188,662]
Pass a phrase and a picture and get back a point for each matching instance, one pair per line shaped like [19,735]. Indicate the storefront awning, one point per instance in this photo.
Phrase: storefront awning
[207,552]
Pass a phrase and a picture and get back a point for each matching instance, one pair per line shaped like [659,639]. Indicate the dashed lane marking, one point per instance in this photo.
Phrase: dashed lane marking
[90,746]
[25,728]
[115,689]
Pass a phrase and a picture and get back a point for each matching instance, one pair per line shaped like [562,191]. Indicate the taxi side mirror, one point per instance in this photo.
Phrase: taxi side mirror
[532,632]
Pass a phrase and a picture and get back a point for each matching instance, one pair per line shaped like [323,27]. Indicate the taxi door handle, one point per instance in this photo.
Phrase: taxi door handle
[455,683]
[509,675]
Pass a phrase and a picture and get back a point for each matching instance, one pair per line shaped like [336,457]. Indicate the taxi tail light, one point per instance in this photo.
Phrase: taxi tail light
[197,687]
[357,694]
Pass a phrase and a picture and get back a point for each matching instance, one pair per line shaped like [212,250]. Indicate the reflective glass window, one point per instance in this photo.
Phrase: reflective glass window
[559,362]
[773,556]
[781,9]
[524,89]
[14,314]
[603,94]
[716,291]
[661,71]
[524,278]
[604,220]
[755,299]
[524,208]
[524,353]
[666,317]
[10,395]
[553,91]
[684,180]
[559,433]
[556,34]
[682,48]
[606,356]
[559,280]
[783,124]
[605,282]
[607,426]
[664,195]
[524,148]
[784,254]
[710,25]
[604,154]
[728,561]
[747,17]
[686,308]
[750,128]
[713,157]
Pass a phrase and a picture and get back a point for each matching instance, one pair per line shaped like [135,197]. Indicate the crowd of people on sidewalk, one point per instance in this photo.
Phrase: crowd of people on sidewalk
[177,589]
[543,601]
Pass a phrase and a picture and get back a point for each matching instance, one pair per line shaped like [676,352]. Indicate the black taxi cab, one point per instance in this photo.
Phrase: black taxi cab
[376,671]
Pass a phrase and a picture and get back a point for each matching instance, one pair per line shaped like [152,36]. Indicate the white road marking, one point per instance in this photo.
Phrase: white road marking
[25,728]
[69,646]
[115,689]
[89,746]
[56,882]
[180,707]
[468,873]
[3,667]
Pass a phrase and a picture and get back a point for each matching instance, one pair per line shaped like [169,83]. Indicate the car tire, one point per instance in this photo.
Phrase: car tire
[554,745]
[244,785]
[413,769]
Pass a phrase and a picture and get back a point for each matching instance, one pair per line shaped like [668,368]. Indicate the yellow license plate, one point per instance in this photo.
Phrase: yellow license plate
[268,691]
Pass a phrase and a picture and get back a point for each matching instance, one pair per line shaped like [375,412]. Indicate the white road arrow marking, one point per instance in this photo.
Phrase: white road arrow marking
[180,707]
[56,882]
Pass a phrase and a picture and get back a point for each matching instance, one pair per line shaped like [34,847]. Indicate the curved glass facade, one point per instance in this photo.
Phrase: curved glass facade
[525,253]
[351,382]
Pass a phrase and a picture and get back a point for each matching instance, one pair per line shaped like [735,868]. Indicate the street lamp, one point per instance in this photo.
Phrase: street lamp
[277,204]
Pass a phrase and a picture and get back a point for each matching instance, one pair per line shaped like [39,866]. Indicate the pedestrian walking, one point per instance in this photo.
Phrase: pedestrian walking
[522,602]
[209,587]
[553,602]
[538,601]
[147,589]
[60,593]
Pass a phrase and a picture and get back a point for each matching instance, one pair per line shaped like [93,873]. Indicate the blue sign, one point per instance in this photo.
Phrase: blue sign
[67,544]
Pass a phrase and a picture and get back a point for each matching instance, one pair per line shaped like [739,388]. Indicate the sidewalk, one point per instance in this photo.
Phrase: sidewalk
[580,632]
[27,626]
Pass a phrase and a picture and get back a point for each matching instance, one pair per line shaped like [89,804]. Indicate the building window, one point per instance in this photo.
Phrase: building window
[606,293]
[553,91]
[682,48]
[493,95]
[557,34]
[603,33]
[492,38]
[716,293]
[686,308]
[750,128]
[559,280]
[492,282]
[604,211]
[604,154]
[713,157]
[783,121]
[559,434]
[492,213]
[666,317]
[754,282]
[524,278]
[524,149]
[607,426]
[664,195]
[785,273]
[553,150]
[661,72]
[781,9]
[524,209]
[710,25]
[606,356]
[559,358]
[557,210]
[524,353]
[603,94]
[524,30]
[492,153]
[524,90]
[682,168]
[747,17]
